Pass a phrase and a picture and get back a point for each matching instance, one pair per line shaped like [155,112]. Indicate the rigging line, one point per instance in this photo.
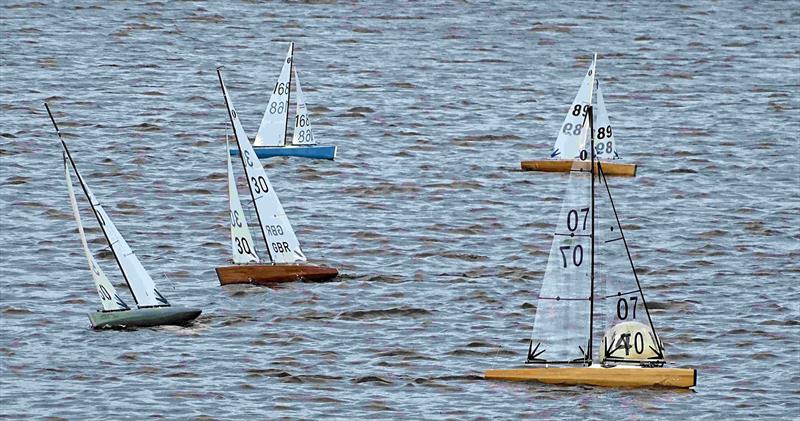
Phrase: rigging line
[564,299]
[288,93]
[572,234]
[590,116]
[613,239]
[241,156]
[100,220]
[630,259]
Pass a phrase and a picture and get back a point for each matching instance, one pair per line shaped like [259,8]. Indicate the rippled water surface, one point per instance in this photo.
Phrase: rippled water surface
[440,239]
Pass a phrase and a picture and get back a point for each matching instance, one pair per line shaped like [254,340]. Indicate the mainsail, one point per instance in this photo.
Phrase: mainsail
[108,294]
[623,300]
[302,134]
[141,285]
[603,134]
[567,143]
[242,244]
[272,131]
[562,327]
[282,244]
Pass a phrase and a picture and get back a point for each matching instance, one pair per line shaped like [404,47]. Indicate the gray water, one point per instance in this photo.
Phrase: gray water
[440,239]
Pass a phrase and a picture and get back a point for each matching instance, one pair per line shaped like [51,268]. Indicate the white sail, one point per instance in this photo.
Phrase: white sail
[272,131]
[139,281]
[302,134]
[561,329]
[109,298]
[242,244]
[282,244]
[567,142]
[621,300]
[604,143]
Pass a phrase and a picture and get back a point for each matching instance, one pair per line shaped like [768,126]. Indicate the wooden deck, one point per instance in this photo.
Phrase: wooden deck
[565,165]
[265,274]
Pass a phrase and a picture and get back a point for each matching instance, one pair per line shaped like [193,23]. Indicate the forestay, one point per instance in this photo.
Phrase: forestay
[139,281]
[272,131]
[569,135]
[302,134]
[108,294]
[604,143]
[622,298]
[561,329]
[242,244]
[282,244]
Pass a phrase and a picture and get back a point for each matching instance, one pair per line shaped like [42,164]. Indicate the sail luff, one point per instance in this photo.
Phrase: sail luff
[109,298]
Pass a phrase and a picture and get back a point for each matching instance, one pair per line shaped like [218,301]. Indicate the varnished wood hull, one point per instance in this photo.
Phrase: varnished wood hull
[565,165]
[600,376]
[265,274]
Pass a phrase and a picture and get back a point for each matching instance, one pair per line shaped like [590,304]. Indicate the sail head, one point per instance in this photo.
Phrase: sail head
[272,131]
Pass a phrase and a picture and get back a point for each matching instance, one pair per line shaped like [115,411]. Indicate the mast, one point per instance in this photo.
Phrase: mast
[244,164]
[590,116]
[96,214]
[288,92]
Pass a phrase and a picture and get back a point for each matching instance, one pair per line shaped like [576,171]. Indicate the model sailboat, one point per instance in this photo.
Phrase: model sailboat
[589,250]
[271,138]
[567,146]
[153,309]
[287,261]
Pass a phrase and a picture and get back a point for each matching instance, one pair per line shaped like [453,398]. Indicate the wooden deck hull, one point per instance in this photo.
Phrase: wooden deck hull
[600,376]
[265,274]
[313,152]
[565,165]
[144,317]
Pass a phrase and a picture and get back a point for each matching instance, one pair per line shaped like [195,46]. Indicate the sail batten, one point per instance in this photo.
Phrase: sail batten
[272,131]
[279,237]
